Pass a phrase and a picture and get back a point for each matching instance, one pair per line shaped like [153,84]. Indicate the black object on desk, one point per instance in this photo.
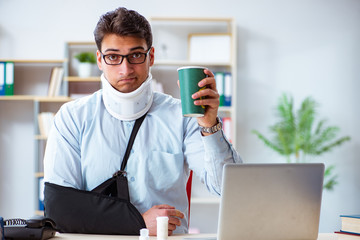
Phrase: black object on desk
[36,229]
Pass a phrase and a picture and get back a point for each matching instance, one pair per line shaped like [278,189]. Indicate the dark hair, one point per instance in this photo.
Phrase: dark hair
[123,22]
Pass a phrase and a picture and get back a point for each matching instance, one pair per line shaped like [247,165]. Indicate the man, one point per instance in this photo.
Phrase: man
[89,137]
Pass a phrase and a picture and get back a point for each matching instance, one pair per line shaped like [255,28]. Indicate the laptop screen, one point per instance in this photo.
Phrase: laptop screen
[270,201]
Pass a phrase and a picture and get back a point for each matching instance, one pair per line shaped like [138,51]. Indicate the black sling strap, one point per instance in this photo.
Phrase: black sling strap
[118,185]
[137,125]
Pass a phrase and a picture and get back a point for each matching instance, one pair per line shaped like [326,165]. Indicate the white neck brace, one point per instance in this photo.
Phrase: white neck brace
[127,106]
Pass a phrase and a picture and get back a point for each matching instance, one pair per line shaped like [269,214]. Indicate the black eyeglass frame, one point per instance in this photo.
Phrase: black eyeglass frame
[125,56]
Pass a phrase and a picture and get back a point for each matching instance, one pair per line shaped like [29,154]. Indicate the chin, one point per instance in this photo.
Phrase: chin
[126,89]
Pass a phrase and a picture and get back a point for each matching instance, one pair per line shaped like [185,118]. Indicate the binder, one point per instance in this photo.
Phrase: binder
[41,193]
[227,127]
[219,78]
[228,89]
[9,78]
[2,78]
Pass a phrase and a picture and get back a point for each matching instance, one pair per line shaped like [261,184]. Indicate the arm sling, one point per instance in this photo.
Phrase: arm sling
[104,210]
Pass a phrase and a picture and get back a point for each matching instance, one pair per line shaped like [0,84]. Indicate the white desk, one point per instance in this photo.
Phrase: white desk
[322,236]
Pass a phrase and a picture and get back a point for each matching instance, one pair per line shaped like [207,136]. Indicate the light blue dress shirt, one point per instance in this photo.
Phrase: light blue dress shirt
[86,146]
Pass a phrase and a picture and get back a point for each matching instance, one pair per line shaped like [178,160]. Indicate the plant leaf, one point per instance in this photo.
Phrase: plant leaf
[334,144]
[329,181]
[268,143]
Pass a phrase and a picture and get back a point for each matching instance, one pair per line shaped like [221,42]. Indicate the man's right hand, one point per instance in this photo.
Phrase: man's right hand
[162,210]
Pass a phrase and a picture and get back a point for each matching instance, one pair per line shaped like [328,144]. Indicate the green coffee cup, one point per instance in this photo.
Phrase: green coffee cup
[189,78]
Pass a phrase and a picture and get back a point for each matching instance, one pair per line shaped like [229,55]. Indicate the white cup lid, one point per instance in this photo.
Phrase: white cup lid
[187,67]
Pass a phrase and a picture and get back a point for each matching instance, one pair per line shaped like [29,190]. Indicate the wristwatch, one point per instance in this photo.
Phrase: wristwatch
[213,129]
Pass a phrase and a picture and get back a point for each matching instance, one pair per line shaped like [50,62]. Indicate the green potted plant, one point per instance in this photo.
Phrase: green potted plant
[86,61]
[297,135]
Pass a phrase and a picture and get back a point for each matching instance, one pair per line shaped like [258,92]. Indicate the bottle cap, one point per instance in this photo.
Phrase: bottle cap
[144,234]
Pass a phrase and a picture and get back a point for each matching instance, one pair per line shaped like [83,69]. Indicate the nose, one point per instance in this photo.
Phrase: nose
[125,68]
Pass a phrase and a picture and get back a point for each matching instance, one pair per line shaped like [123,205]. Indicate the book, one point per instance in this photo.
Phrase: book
[52,82]
[45,121]
[347,236]
[41,124]
[2,78]
[55,81]
[58,82]
[228,89]
[350,223]
[220,83]
[59,72]
[9,78]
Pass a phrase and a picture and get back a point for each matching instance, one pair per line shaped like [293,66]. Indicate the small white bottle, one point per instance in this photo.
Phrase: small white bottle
[144,234]
[162,228]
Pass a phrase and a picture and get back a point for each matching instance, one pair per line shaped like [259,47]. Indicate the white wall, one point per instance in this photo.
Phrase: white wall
[306,48]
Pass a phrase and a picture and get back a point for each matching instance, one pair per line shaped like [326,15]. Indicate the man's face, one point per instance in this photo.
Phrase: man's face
[125,77]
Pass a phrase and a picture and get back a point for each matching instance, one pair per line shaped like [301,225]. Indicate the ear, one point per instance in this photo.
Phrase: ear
[152,56]
[98,58]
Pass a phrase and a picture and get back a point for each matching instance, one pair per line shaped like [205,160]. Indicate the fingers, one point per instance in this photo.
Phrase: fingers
[162,210]
[169,211]
[208,81]
[173,223]
[206,92]
[163,206]
[174,217]
[165,210]
[208,95]
[175,213]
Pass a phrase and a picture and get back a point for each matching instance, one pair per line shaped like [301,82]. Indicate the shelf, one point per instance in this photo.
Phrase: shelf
[166,20]
[52,99]
[34,60]
[39,213]
[204,200]
[40,137]
[225,109]
[189,63]
[35,98]
[209,21]
[81,79]
[191,19]
[80,43]
[18,98]
[39,174]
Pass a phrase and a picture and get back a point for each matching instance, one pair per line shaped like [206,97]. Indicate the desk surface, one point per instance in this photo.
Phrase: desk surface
[322,236]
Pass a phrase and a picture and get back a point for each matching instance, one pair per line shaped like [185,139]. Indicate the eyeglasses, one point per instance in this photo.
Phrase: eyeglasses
[132,58]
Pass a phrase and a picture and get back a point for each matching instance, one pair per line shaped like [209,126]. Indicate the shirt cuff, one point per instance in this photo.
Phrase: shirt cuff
[215,142]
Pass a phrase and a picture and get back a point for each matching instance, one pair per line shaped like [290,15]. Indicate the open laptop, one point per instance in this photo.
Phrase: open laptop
[270,201]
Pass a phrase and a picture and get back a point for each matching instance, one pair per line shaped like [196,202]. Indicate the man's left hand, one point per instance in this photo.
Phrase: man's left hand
[211,100]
